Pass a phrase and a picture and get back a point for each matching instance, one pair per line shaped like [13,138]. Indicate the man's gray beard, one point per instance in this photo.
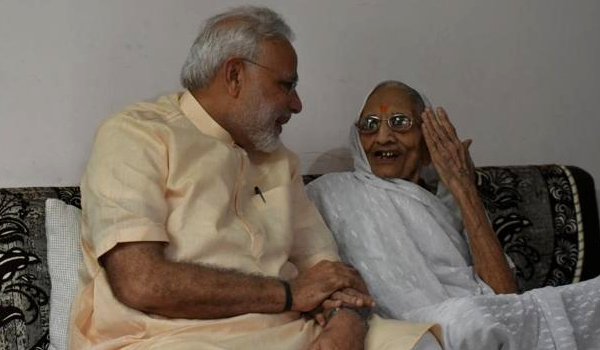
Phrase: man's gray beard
[264,141]
[261,132]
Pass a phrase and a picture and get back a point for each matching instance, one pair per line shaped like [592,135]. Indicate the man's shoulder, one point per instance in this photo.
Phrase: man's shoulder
[163,109]
[153,117]
[289,154]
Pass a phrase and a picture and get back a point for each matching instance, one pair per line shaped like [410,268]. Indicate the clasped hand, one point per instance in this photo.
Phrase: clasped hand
[329,285]
[326,286]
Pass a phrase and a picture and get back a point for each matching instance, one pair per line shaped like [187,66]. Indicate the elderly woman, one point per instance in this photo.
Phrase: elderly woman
[426,248]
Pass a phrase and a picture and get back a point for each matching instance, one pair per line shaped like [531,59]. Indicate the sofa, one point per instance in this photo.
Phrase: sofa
[545,216]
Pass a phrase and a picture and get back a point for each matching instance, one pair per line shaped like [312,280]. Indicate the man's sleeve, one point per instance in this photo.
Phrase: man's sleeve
[123,189]
[313,241]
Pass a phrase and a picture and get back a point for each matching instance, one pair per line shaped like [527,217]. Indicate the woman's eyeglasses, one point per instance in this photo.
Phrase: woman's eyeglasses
[370,124]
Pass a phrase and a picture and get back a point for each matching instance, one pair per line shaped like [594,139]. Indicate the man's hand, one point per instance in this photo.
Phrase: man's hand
[345,331]
[449,155]
[336,281]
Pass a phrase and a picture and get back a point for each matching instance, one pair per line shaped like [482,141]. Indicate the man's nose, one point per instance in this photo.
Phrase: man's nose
[295,102]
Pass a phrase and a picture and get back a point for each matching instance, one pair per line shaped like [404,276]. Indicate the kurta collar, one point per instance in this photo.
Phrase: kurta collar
[201,119]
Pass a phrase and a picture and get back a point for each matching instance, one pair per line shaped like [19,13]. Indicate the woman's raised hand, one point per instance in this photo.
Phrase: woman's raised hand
[452,160]
[449,155]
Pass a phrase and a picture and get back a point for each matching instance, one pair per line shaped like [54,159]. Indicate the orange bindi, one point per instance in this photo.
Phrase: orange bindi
[384,108]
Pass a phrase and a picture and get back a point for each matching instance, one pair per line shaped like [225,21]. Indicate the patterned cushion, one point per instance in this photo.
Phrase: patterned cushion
[537,214]
[525,204]
[25,283]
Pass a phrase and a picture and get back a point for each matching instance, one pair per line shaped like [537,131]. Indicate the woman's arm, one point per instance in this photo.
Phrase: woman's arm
[453,163]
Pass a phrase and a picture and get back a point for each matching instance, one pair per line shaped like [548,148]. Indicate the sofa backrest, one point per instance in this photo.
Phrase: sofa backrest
[546,218]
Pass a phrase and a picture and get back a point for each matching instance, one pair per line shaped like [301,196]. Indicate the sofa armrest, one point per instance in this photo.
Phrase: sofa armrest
[25,283]
[586,190]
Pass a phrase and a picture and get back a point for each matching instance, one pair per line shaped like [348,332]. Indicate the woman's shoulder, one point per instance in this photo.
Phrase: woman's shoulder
[330,188]
[330,180]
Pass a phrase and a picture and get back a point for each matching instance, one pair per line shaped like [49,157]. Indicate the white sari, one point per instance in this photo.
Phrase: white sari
[409,246]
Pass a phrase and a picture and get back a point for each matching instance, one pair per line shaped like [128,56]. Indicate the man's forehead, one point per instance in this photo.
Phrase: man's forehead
[280,54]
[278,49]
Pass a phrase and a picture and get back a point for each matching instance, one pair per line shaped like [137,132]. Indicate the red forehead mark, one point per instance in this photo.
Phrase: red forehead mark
[384,108]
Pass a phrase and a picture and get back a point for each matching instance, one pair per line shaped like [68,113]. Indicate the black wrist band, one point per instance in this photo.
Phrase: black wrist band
[288,296]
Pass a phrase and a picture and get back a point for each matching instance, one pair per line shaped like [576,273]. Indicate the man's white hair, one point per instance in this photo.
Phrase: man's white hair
[235,33]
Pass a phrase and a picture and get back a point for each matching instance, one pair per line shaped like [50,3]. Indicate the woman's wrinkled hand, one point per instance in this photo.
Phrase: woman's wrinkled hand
[347,298]
[449,155]
[345,331]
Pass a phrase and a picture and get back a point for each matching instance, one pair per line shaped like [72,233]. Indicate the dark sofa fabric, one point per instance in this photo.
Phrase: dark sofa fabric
[539,217]
[546,218]
[25,282]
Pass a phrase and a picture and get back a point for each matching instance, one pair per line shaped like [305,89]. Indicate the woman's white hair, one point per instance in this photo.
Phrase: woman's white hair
[235,33]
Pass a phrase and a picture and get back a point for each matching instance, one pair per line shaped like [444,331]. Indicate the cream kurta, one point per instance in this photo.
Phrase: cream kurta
[166,171]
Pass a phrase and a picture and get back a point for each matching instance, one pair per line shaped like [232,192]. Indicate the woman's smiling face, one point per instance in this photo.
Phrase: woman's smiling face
[394,154]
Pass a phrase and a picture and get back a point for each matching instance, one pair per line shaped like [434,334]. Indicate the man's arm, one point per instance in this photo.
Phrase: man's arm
[453,163]
[142,278]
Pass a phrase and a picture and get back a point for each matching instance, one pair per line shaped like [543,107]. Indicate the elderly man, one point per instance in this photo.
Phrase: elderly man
[196,231]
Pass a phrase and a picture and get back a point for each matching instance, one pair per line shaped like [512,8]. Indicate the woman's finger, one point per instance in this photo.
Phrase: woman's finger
[436,149]
[438,127]
[429,131]
[320,318]
[446,158]
[452,142]
[353,298]
[446,125]
[465,154]
[467,143]
[432,145]
[457,148]
[442,151]
[331,304]
[431,121]
[442,135]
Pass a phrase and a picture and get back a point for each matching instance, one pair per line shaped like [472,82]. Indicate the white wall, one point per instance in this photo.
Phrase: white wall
[519,77]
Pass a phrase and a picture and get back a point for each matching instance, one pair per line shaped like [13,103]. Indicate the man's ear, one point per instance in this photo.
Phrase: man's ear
[234,70]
